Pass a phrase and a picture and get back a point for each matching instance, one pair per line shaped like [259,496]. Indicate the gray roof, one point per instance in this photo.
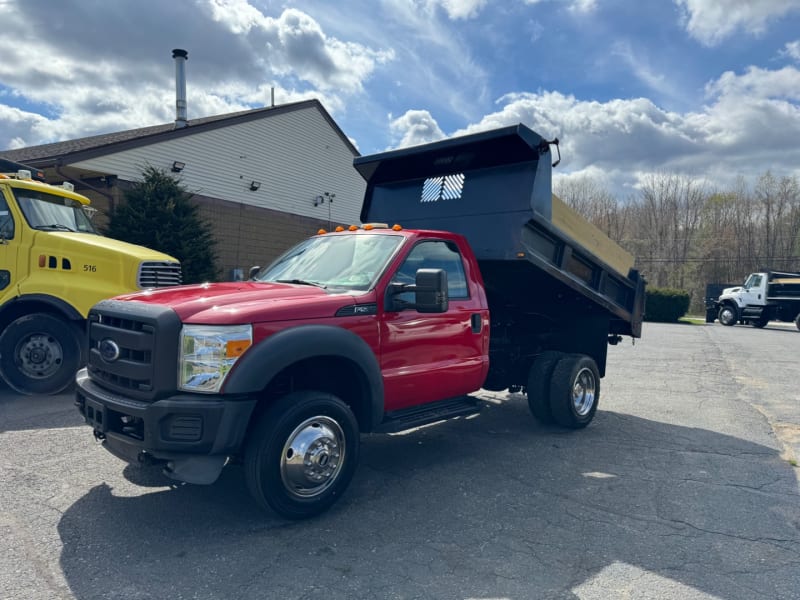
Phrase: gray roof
[70,151]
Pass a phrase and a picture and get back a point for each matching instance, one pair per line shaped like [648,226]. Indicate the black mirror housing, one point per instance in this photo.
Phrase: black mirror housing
[430,291]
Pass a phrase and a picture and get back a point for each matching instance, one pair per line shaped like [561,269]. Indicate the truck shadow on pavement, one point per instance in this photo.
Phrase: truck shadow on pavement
[490,507]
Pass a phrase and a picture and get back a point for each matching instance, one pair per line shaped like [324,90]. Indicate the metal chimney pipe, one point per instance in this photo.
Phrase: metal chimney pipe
[180,56]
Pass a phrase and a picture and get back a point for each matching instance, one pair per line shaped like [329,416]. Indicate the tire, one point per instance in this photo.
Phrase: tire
[797,321]
[40,354]
[302,429]
[711,315]
[574,391]
[728,315]
[538,388]
[759,323]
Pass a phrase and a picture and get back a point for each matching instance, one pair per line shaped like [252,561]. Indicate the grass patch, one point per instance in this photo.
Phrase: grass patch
[693,320]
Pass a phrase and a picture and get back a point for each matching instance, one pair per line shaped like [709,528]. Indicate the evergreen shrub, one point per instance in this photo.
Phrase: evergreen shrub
[665,305]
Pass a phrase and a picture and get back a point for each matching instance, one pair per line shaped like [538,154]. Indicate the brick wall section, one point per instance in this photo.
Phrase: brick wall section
[248,235]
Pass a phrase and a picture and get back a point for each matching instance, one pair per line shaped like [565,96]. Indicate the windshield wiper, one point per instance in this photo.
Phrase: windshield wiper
[56,226]
[302,282]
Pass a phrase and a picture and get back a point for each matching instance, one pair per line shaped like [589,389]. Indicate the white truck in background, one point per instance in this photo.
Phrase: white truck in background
[766,296]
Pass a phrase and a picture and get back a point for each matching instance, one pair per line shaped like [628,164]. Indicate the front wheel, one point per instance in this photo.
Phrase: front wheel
[728,315]
[574,391]
[39,354]
[302,454]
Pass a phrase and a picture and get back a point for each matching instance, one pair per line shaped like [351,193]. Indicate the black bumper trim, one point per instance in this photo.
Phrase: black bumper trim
[223,421]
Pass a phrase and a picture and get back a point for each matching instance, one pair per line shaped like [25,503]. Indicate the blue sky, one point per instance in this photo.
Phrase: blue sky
[706,88]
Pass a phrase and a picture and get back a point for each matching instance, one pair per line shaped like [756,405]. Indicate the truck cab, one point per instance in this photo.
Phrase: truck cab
[54,265]
[764,296]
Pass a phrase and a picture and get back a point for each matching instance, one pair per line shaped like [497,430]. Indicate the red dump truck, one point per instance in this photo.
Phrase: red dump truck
[467,273]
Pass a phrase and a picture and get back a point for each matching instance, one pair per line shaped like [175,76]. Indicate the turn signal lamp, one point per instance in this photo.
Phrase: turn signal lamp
[235,348]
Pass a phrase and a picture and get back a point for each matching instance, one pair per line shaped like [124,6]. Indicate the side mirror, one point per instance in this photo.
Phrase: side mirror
[430,292]
[251,274]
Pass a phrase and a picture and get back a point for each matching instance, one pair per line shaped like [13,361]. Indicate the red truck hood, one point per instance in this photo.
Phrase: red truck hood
[244,302]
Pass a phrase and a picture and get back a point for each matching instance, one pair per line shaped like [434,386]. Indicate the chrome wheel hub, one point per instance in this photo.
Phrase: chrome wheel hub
[313,457]
[583,392]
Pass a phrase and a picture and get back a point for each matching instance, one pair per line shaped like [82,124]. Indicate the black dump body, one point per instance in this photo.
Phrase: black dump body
[783,286]
[495,189]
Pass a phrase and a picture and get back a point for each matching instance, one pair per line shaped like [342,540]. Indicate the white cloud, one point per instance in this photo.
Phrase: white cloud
[415,127]
[460,9]
[751,124]
[294,43]
[236,54]
[573,6]
[711,21]
[792,50]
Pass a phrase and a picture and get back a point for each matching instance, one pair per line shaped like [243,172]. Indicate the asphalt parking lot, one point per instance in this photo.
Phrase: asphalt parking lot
[682,487]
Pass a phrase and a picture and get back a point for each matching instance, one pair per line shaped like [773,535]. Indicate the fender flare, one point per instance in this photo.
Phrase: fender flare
[265,360]
[59,305]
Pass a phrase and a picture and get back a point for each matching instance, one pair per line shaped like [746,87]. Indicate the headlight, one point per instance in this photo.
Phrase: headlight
[207,354]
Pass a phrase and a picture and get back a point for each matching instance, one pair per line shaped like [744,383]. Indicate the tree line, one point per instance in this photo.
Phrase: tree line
[685,233]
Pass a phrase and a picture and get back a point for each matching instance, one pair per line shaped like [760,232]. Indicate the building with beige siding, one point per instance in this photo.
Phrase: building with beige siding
[264,178]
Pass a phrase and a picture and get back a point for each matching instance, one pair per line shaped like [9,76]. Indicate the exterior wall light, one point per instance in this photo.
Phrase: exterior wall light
[254,185]
[178,166]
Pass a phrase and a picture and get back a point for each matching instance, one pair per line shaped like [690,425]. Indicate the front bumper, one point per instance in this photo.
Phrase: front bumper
[191,433]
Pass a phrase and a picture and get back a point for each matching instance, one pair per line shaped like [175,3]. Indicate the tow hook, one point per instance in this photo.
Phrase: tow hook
[614,339]
[99,435]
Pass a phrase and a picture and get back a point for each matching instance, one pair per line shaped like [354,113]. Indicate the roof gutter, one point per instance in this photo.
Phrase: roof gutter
[109,196]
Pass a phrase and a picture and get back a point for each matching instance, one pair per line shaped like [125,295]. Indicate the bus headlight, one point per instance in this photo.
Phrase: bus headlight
[208,352]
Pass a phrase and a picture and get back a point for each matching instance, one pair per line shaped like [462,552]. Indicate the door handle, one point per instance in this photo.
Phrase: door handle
[475,321]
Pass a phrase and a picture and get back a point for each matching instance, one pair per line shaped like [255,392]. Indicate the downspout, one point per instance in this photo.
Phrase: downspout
[108,195]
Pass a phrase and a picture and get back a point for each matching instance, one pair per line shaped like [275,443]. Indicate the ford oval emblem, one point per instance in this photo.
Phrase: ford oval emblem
[109,350]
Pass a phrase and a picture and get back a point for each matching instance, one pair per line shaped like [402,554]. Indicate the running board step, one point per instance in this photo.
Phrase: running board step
[408,418]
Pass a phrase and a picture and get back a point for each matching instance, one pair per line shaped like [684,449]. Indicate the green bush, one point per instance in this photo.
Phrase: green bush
[665,305]
[158,213]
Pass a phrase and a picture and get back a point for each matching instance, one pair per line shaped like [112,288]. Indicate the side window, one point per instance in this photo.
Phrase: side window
[6,220]
[434,255]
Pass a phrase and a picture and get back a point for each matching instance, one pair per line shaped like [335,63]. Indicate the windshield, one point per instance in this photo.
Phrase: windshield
[52,213]
[351,262]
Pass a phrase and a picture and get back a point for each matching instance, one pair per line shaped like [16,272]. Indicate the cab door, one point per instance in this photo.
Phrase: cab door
[434,356]
[754,290]
[9,249]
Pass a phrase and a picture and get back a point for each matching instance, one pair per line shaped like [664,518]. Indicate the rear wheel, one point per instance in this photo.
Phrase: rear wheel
[728,315]
[759,323]
[538,388]
[39,354]
[302,453]
[574,391]
[797,321]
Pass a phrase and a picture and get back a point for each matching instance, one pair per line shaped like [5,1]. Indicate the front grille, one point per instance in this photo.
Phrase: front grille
[133,348]
[158,274]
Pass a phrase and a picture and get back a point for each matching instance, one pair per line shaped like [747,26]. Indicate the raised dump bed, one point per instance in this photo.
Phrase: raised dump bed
[537,256]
